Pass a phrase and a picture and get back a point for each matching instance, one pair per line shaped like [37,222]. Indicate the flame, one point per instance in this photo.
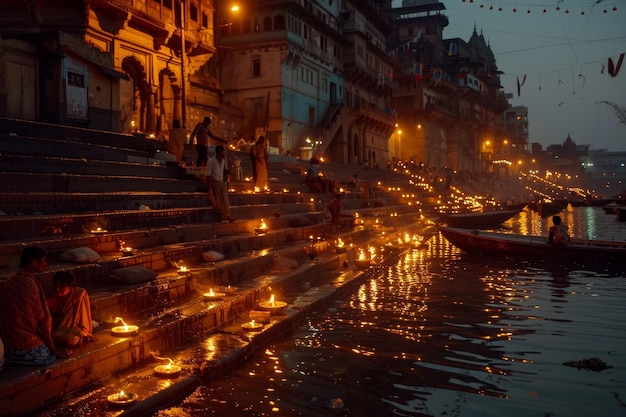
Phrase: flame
[361,254]
[211,293]
[263,226]
[251,323]
[272,302]
[340,243]
[118,319]
[169,363]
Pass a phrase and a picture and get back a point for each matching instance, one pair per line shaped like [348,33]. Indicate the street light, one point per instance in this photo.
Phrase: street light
[217,25]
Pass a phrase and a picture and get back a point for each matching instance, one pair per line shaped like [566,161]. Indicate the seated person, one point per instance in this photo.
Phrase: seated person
[558,234]
[25,322]
[333,207]
[71,311]
[313,179]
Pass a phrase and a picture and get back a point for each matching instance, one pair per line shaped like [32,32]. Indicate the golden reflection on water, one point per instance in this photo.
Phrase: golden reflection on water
[582,222]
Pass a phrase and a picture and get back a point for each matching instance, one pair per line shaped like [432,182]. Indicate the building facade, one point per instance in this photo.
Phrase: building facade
[447,93]
[107,64]
[354,81]
[312,76]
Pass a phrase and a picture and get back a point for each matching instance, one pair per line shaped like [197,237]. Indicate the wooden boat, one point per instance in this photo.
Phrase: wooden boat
[480,220]
[492,243]
[611,208]
[546,209]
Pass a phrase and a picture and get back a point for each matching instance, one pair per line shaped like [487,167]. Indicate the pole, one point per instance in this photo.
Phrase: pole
[183,87]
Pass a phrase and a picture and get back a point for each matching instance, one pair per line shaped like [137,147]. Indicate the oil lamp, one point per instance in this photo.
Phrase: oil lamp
[98,230]
[125,329]
[252,325]
[182,270]
[126,250]
[261,229]
[227,289]
[122,398]
[273,306]
[362,261]
[213,296]
[340,246]
[170,370]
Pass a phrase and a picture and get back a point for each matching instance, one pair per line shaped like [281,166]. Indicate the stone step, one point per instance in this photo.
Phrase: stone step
[164,327]
[77,135]
[83,166]
[21,227]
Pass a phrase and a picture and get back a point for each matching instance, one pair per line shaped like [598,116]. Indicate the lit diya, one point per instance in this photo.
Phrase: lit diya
[340,246]
[252,325]
[182,270]
[122,398]
[126,250]
[170,370]
[273,306]
[261,229]
[213,296]
[125,329]
[227,289]
[362,261]
[98,230]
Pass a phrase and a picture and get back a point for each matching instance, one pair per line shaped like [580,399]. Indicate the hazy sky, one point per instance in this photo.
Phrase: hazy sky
[563,58]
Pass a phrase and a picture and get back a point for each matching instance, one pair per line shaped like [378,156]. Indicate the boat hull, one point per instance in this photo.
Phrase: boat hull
[484,220]
[491,243]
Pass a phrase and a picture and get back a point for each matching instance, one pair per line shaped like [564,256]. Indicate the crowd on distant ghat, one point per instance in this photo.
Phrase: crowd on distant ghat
[506,189]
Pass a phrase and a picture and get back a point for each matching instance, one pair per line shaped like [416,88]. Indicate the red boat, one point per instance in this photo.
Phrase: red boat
[481,220]
[492,243]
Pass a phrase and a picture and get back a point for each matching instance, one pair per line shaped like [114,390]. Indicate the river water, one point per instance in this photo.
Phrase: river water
[443,334]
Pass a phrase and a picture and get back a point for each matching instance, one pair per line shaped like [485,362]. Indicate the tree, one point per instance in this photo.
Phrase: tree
[619,111]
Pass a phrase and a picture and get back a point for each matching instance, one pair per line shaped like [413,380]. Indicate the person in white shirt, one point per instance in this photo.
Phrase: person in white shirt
[217,184]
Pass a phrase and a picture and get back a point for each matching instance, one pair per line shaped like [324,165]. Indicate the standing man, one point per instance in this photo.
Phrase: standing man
[25,322]
[176,141]
[218,185]
[202,134]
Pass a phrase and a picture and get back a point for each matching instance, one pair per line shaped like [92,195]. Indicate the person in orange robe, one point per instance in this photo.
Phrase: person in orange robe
[71,311]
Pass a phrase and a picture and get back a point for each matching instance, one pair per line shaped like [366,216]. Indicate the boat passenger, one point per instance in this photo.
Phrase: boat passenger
[558,234]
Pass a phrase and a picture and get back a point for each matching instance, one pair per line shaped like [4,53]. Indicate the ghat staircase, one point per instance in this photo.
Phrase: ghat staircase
[120,195]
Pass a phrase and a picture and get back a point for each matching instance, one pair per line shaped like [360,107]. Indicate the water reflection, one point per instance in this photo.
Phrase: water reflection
[440,333]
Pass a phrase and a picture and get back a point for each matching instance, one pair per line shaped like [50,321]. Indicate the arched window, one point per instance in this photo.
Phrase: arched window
[267,24]
[279,22]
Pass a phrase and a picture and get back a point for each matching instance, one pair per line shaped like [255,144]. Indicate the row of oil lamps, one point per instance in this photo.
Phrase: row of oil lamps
[172,370]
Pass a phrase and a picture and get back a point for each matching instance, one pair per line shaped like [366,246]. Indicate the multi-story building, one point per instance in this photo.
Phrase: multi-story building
[107,64]
[515,120]
[312,76]
[447,92]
